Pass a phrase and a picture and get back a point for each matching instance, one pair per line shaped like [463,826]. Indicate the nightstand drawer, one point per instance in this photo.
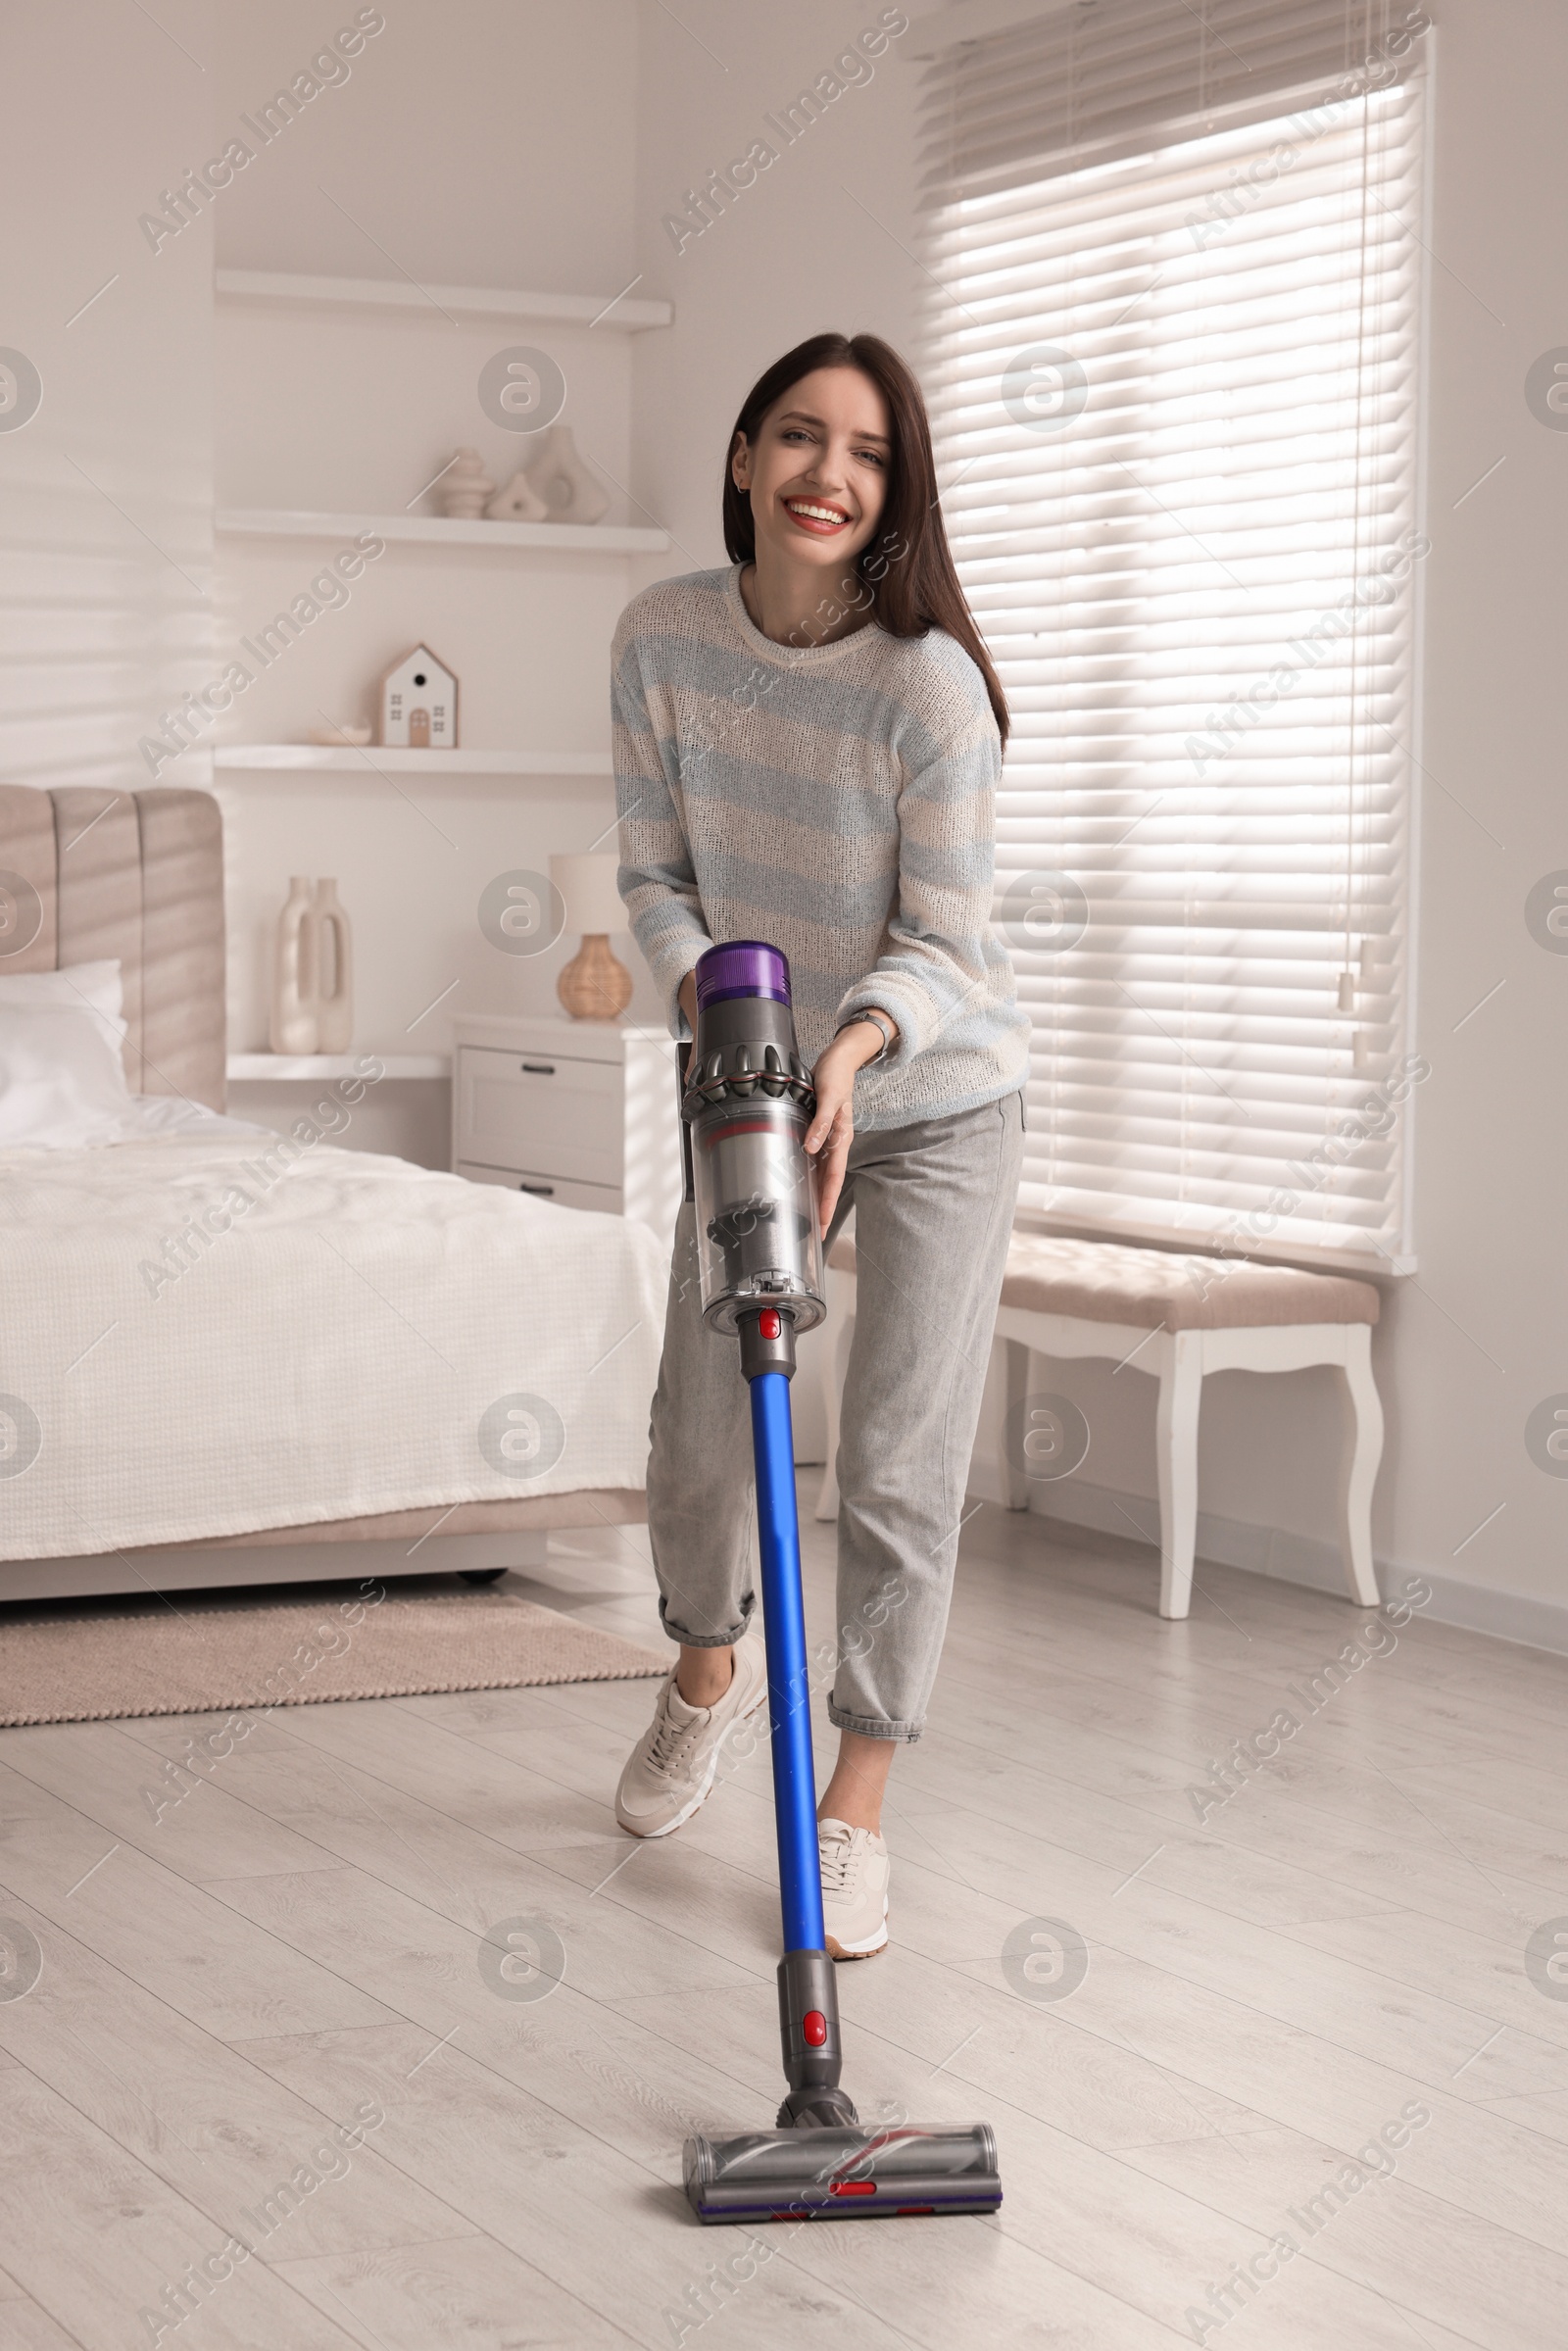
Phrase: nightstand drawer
[541,1110]
[559,1191]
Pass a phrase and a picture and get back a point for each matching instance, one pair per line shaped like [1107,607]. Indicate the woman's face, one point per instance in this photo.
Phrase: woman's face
[817,472]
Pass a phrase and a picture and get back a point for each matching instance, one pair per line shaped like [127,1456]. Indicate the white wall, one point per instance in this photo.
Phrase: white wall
[106,493]
[488,143]
[1486,1336]
[797,253]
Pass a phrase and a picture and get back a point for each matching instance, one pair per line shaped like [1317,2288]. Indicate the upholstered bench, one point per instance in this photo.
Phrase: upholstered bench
[1177,1318]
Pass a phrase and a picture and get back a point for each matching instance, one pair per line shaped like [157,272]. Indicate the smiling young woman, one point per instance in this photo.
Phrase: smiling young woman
[808,745]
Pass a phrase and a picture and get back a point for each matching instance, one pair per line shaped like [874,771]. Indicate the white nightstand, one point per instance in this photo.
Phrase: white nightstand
[581,1112]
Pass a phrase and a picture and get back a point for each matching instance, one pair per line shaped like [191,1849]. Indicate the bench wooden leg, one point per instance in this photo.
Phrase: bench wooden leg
[1181,1383]
[1016,1359]
[835,1355]
[1364,1451]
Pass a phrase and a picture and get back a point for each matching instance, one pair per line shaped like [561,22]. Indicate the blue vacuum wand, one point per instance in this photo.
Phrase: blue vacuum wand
[747,1106]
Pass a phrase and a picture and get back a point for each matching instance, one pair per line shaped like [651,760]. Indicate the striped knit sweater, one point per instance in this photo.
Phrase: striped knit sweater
[837,801]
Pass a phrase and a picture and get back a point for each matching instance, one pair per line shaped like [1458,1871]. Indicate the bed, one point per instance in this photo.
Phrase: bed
[234,1358]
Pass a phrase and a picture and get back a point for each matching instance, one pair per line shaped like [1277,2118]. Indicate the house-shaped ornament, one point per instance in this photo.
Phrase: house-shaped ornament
[419,704]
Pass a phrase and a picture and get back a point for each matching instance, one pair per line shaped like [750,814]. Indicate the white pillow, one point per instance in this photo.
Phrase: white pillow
[62,1085]
[79,988]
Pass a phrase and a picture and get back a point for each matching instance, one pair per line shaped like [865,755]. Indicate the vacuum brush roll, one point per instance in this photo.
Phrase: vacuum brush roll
[866,2174]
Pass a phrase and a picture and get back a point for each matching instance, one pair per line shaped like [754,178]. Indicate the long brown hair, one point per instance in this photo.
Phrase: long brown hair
[908,565]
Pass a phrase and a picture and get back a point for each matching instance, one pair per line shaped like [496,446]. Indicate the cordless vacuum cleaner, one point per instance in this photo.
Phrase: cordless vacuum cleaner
[747,1104]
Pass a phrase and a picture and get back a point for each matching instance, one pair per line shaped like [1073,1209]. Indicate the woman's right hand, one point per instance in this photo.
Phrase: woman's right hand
[832,1130]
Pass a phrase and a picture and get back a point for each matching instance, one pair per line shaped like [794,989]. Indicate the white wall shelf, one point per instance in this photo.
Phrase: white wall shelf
[440,530]
[621,314]
[273,1068]
[348,759]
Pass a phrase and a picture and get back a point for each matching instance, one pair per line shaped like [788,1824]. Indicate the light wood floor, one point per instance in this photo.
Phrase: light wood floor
[1344,1939]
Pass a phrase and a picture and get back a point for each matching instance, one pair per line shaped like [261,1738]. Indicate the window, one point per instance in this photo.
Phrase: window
[1171,345]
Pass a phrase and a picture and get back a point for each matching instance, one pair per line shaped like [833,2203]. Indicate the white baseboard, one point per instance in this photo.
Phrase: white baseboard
[1300,1559]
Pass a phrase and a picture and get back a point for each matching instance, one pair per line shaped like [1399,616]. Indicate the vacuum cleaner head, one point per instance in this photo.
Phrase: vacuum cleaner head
[821,2163]
[845,2174]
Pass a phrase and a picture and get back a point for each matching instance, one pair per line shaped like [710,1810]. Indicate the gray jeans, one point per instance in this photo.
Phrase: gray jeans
[933,1215]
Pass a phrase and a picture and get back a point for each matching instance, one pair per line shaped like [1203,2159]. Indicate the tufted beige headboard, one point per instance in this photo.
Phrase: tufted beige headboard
[137,875]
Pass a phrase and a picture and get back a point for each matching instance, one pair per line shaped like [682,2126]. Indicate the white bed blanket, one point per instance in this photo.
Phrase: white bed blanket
[352,1335]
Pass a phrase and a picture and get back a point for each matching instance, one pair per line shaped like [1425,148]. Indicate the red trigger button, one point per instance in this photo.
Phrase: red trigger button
[815,2027]
[767,1322]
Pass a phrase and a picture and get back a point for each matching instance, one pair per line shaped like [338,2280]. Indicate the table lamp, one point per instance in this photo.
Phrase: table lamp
[595,985]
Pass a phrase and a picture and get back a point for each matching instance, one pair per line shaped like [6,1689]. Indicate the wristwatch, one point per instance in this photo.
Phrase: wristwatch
[878,1020]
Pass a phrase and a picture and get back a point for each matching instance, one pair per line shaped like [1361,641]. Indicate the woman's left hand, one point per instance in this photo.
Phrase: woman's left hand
[832,1130]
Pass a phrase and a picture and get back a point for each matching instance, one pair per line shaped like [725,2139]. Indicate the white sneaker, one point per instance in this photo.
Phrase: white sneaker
[672,1766]
[854,1889]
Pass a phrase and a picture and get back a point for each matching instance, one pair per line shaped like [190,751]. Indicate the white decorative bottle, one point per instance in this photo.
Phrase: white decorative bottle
[291,1028]
[334,959]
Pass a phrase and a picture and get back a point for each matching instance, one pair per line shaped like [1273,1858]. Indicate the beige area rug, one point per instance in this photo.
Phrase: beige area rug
[93,1661]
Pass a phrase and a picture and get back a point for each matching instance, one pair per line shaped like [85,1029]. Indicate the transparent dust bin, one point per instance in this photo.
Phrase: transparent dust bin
[757,1218]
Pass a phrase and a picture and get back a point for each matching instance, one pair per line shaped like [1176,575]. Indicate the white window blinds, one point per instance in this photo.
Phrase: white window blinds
[1174,390]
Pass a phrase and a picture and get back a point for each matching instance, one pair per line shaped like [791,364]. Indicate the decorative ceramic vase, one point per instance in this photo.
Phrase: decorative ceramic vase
[562,479]
[335,958]
[519,502]
[596,983]
[464,487]
[291,1028]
